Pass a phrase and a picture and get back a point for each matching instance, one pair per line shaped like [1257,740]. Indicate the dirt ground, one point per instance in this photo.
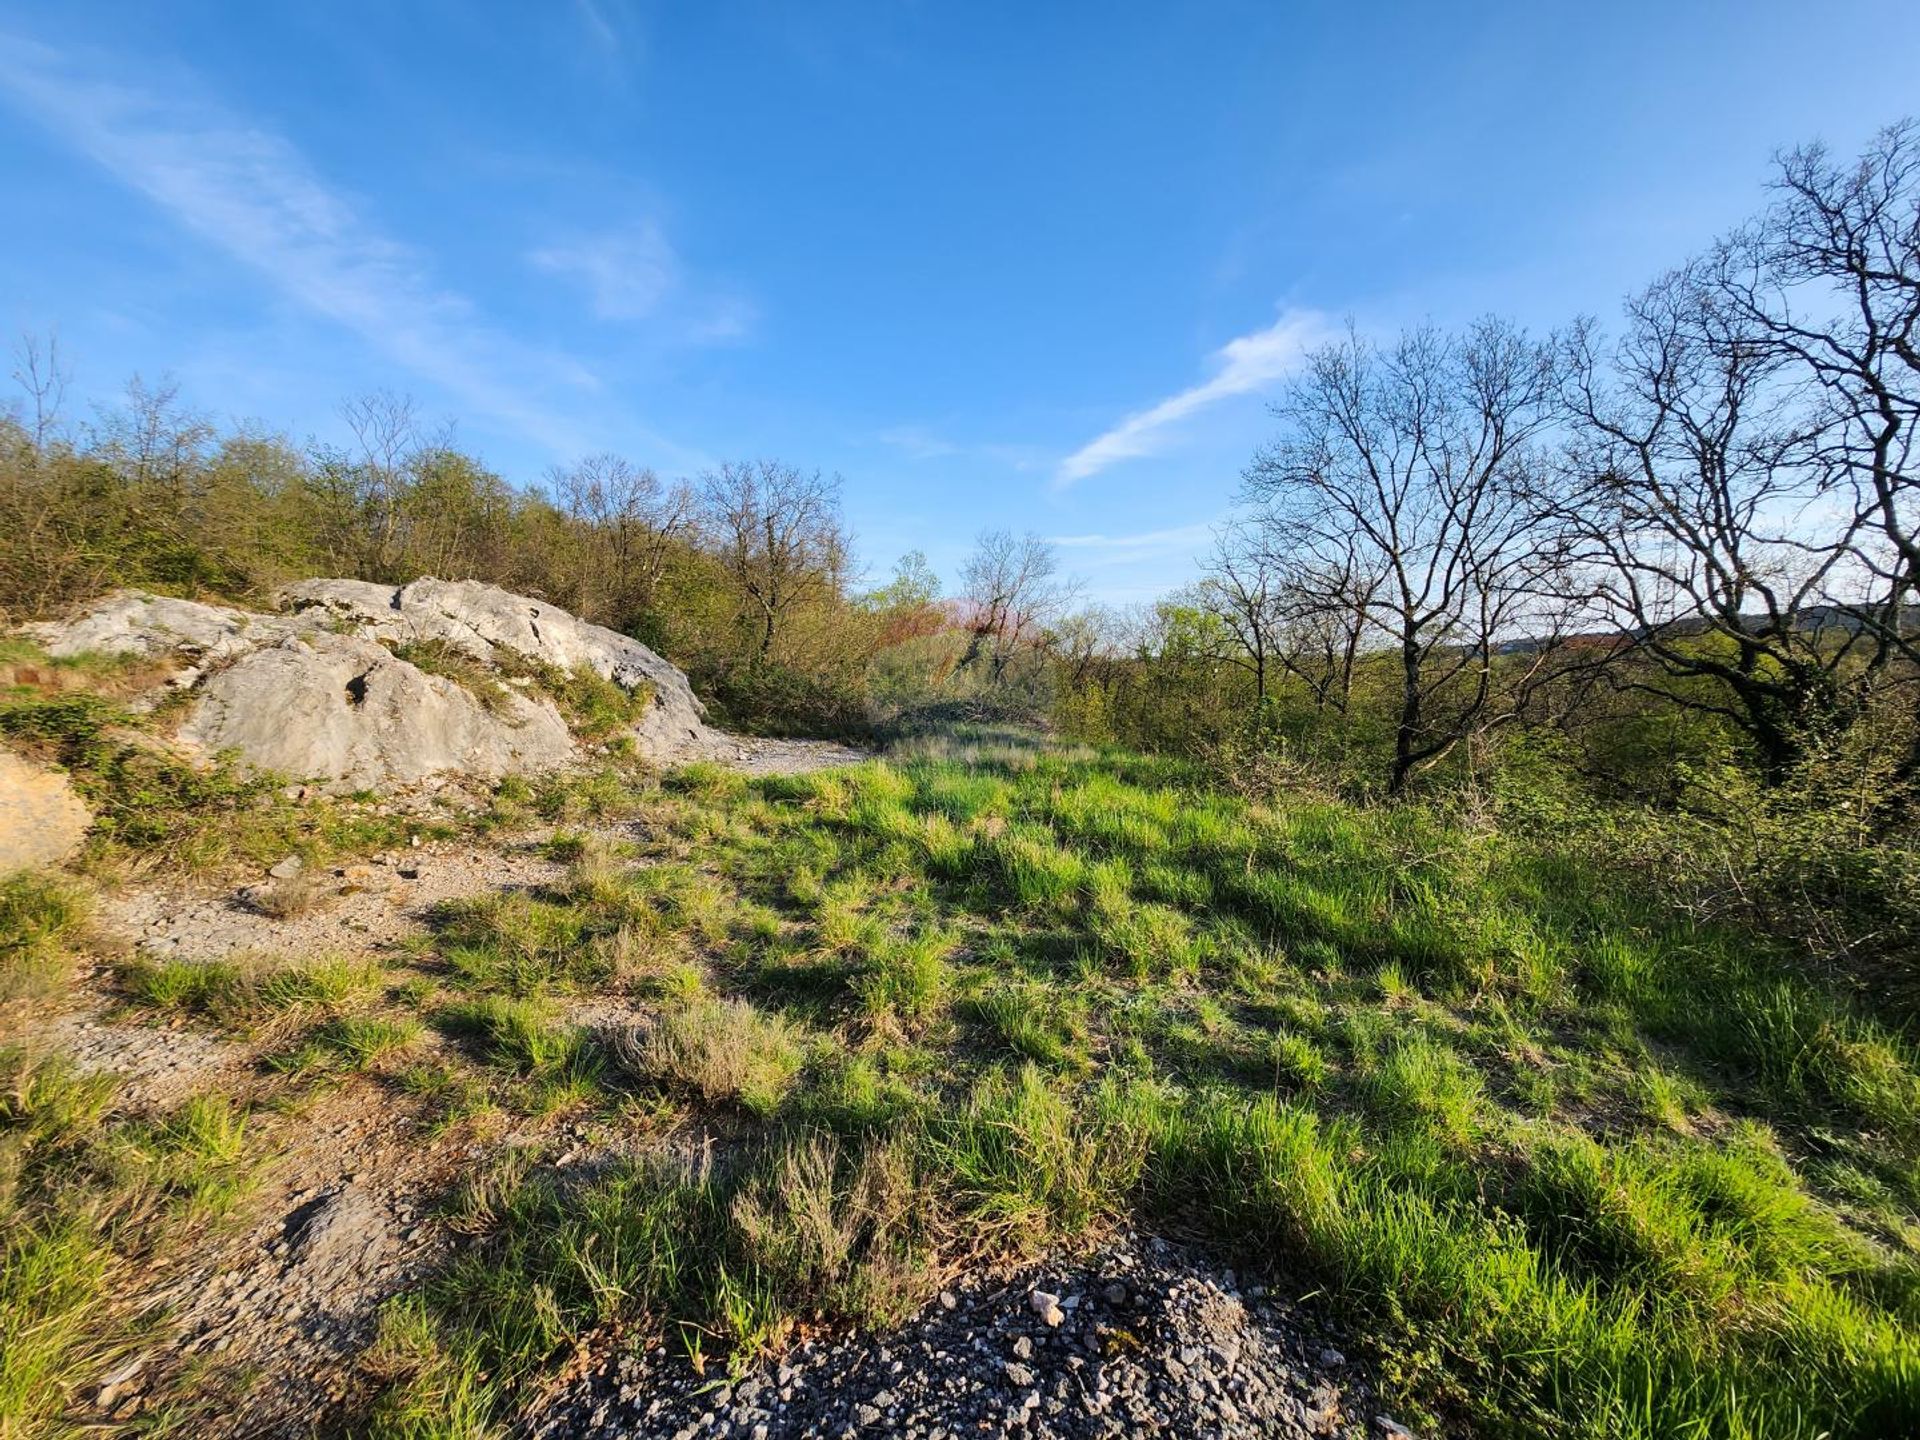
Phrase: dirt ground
[275,1304]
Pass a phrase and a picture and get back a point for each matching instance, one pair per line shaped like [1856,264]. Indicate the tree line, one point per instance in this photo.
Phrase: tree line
[1707,519]
[1688,542]
[744,574]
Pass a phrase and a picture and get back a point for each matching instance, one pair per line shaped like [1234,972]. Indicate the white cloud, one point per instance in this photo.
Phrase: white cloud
[633,273]
[917,442]
[1102,550]
[626,274]
[1247,364]
[252,194]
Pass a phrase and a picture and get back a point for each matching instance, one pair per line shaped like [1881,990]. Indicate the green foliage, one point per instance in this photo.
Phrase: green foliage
[522,1036]
[1491,1087]
[39,918]
[1450,1010]
[86,1197]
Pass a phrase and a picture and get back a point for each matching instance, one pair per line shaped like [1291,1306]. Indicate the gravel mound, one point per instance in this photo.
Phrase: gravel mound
[1142,1338]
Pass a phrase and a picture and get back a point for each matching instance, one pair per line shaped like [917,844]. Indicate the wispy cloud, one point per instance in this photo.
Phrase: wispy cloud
[599,29]
[1247,364]
[633,273]
[1097,550]
[917,442]
[253,195]
[626,274]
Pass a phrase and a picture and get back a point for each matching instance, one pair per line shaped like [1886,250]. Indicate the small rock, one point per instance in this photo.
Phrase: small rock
[1047,1307]
[287,868]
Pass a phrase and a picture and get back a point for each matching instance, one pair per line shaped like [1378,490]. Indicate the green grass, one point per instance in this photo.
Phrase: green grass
[1573,1157]
[87,1198]
[1488,1103]
[40,918]
[250,991]
[720,1050]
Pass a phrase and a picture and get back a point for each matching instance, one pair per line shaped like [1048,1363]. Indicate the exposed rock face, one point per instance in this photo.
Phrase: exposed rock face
[344,709]
[132,622]
[313,693]
[41,820]
[476,618]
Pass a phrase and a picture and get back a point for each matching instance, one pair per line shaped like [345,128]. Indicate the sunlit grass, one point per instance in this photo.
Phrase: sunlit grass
[1576,1161]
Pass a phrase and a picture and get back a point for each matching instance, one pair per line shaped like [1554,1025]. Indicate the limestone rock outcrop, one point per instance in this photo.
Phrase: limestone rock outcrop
[344,710]
[476,619]
[318,692]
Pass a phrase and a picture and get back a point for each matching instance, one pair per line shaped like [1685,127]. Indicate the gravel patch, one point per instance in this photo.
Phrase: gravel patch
[753,756]
[156,1065]
[357,907]
[1142,1338]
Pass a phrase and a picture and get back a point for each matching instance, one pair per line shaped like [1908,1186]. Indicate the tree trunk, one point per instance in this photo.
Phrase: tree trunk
[1407,731]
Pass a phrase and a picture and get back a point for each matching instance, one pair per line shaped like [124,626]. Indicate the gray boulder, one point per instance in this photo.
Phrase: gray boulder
[476,619]
[132,622]
[344,710]
[315,692]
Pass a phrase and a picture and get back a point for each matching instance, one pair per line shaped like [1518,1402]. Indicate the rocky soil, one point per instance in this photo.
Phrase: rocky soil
[357,908]
[1143,1337]
[274,1311]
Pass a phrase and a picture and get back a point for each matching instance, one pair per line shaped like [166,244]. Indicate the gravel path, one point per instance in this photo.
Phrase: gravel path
[1142,1338]
[754,756]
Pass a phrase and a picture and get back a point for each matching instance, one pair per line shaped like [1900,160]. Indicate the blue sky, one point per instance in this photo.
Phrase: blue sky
[1038,266]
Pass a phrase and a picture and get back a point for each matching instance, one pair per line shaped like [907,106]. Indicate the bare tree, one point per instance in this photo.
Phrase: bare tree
[1746,498]
[1242,589]
[1828,279]
[386,428]
[1322,626]
[1687,519]
[1401,492]
[42,375]
[779,534]
[157,443]
[1012,589]
[632,522]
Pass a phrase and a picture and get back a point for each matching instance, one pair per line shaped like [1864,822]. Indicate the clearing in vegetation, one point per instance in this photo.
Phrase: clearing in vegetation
[791,1050]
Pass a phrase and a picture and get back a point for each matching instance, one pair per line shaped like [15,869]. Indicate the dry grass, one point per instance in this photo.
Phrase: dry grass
[721,1050]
